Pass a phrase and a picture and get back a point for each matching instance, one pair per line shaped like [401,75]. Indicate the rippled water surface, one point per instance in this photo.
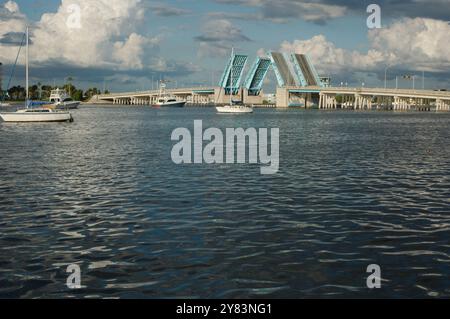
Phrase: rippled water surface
[354,189]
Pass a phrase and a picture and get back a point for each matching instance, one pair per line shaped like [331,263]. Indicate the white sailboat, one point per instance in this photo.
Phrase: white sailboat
[233,108]
[34,114]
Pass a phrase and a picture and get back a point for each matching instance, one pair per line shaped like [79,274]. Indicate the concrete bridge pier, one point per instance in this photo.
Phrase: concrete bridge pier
[327,101]
[364,102]
[402,104]
[442,105]
[383,103]
[348,102]
[358,102]
[282,97]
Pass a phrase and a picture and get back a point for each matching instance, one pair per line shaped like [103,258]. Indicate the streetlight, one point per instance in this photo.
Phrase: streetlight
[385,76]
[423,80]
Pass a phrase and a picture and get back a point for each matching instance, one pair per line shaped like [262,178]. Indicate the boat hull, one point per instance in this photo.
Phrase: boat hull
[67,106]
[171,104]
[234,110]
[36,117]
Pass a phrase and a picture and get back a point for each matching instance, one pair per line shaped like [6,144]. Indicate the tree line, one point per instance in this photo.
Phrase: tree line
[42,92]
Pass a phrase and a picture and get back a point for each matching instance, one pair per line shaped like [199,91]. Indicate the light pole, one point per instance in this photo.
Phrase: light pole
[396,82]
[385,76]
[423,80]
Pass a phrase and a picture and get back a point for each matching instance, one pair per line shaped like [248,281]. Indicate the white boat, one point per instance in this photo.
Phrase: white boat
[233,108]
[4,104]
[167,100]
[36,115]
[61,100]
[40,114]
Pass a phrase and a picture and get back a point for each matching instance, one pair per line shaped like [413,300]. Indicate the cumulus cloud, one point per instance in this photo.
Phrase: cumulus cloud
[418,44]
[218,37]
[12,7]
[83,33]
[106,27]
[12,25]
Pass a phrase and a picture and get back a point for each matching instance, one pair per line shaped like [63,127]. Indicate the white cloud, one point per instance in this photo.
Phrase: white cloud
[419,42]
[130,53]
[12,7]
[413,44]
[108,34]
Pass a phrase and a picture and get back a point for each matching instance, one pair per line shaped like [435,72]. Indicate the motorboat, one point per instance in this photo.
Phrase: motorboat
[167,100]
[62,101]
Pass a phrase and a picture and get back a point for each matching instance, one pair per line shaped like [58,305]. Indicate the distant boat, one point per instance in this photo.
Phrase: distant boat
[234,107]
[167,100]
[62,101]
[4,104]
[40,114]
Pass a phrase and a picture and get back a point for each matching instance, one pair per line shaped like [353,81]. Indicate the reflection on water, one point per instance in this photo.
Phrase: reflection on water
[353,189]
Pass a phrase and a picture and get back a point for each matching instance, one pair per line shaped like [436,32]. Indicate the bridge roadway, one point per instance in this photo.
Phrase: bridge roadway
[198,95]
[325,98]
[365,98]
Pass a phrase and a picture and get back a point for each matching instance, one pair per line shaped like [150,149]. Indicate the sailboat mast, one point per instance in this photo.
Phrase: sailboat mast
[232,70]
[26,67]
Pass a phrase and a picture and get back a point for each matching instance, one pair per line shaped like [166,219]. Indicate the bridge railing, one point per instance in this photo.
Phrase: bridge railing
[375,91]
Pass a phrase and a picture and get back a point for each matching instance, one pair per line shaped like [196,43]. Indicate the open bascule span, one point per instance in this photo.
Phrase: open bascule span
[298,85]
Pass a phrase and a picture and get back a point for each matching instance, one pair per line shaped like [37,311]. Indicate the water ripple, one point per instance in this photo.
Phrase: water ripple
[353,189]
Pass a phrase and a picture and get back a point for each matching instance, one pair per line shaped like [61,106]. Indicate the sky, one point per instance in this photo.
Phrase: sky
[127,45]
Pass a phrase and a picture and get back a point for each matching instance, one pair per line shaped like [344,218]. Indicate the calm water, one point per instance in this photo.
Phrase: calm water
[353,189]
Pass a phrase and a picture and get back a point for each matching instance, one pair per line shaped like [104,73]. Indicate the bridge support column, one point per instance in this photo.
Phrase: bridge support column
[396,103]
[442,105]
[357,102]
[282,97]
